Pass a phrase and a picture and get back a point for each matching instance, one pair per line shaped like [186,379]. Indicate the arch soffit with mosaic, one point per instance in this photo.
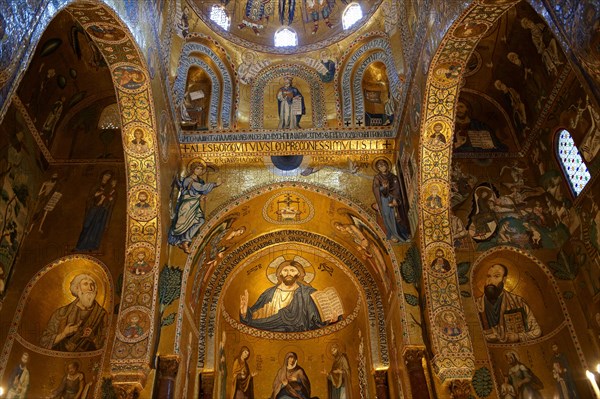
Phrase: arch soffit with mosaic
[453,358]
[130,362]
[309,75]
[374,304]
[218,70]
[370,294]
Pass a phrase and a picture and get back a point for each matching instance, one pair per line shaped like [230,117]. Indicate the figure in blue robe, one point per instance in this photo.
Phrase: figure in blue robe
[189,216]
[97,215]
[286,307]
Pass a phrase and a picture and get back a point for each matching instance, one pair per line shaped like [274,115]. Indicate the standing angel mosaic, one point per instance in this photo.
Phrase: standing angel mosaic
[189,212]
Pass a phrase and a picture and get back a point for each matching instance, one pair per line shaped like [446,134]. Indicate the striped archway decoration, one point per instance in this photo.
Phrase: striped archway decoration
[349,82]
[222,97]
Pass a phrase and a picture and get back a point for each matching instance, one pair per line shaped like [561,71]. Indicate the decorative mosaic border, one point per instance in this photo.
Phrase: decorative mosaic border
[359,97]
[453,359]
[354,57]
[182,73]
[253,135]
[32,129]
[130,362]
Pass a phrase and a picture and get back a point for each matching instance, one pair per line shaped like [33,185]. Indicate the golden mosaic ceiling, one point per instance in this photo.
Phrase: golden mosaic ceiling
[253,24]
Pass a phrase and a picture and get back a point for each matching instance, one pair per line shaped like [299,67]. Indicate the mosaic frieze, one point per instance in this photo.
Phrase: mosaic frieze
[257,136]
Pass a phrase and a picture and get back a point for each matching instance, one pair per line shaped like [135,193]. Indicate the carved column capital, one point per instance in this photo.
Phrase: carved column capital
[460,389]
[168,365]
[127,391]
[166,373]
[413,358]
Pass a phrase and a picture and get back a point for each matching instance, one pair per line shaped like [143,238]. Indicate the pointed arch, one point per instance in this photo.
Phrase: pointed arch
[359,96]
[182,74]
[354,62]
[199,309]
[453,358]
[222,98]
[130,359]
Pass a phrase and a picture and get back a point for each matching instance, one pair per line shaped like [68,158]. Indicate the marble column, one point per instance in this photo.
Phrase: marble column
[413,359]
[207,383]
[382,389]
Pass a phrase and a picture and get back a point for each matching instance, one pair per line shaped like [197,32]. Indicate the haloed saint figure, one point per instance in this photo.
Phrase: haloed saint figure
[288,306]
[189,215]
[290,103]
[386,189]
[291,381]
[79,326]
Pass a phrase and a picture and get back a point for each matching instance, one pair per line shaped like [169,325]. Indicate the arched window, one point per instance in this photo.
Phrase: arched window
[286,37]
[570,160]
[219,16]
[110,118]
[352,14]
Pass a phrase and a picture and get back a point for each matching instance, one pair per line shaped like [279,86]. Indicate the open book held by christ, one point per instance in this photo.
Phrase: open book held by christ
[328,303]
